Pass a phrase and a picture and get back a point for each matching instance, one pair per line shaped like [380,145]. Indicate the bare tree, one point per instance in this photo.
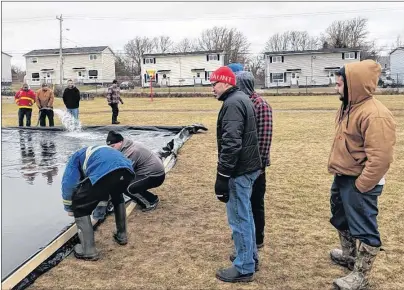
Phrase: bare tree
[233,42]
[291,40]
[163,44]
[135,49]
[122,66]
[347,33]
[186,45]
[255,64]
[18,73]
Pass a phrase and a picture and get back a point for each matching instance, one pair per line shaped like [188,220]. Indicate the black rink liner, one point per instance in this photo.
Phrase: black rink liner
[170,150]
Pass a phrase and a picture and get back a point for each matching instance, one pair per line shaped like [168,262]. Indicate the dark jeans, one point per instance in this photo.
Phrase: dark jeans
[86,198]
[115,112]
[258,207]
[355,211]
[138,189]
[24,112]
[42,117]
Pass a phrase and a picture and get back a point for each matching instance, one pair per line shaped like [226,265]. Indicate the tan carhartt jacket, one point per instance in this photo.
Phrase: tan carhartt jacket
[365,131]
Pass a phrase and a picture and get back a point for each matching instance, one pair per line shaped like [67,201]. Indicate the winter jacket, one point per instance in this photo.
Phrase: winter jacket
[145,162]
[44,99]
[365,130]
[263,111]
[25,99]
[101,161]
[71,98]
[237,139]
[113,95]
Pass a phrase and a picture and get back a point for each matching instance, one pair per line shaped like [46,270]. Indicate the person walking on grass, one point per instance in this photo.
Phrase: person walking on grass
[239,165]
[360,157]
[245,82]
[24,99]
[113,98]
[71,99]
[94,174]
[44,101]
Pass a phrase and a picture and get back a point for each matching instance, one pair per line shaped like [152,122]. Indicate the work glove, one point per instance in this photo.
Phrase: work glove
[121,102]
[222,188]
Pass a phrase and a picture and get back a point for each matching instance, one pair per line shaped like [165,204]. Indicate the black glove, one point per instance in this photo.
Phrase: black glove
[222,188]
[121,102]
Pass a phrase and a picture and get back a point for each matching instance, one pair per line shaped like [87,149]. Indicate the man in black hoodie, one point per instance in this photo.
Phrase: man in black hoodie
[71,99]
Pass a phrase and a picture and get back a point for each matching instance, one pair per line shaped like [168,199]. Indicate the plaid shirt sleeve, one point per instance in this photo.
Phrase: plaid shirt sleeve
[264,129]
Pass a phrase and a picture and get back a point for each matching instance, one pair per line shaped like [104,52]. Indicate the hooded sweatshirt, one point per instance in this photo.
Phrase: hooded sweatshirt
[263,111]
[71,97]
[365,130]
[145,162]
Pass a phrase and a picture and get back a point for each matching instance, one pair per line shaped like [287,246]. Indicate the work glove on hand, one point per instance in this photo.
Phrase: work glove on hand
[121,102]
[222,188]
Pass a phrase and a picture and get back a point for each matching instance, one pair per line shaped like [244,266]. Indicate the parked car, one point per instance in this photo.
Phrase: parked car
[386,82]
[126,86]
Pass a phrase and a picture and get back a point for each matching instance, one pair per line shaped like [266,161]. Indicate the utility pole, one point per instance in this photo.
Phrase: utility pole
[60,50]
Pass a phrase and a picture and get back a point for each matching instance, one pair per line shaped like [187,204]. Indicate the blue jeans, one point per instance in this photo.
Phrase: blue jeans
[241,221]
[74,112]
[355,211]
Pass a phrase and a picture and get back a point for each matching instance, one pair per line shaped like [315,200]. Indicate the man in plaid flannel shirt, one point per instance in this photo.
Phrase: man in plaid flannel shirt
[245,81]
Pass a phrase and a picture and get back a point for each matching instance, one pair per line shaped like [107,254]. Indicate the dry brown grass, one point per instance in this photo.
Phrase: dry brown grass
[183,242]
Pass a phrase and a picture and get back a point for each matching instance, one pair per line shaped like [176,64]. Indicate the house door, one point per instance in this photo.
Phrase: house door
[47,78]
[163,80]
[331,76]
[294,77]
[198,79]
[80,76]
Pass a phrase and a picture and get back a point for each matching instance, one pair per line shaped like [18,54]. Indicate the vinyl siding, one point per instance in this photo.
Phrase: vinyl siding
[180,67]
[314,69]
[397,66]
[5,68]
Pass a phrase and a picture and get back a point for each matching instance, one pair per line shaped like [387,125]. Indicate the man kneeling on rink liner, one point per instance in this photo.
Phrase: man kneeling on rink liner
[149,170]
[93,174]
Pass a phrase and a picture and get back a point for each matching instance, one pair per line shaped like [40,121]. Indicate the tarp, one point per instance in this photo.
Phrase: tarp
[33,164]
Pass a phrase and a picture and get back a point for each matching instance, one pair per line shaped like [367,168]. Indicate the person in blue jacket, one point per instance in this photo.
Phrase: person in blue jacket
[94,174]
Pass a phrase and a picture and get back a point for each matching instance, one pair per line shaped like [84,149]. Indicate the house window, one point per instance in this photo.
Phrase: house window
[277,77]
[349,55]
[34,60]
[149,60]
[93,56]
[35,77]
[276,59]
[93,74]
[213,57]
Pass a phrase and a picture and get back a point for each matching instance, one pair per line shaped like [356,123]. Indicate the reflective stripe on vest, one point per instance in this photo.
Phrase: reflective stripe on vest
[90,150]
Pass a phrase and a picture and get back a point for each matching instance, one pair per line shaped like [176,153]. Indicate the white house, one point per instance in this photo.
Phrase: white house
[397,65]
[5,68]
[81,64]
[310,67]
[181,69]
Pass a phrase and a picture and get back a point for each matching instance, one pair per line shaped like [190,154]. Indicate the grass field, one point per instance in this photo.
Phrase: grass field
[183,242]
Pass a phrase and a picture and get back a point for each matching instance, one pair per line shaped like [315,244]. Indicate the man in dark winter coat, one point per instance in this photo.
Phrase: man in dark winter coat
[245,82]
[113,98]
[71,99]
[239,165]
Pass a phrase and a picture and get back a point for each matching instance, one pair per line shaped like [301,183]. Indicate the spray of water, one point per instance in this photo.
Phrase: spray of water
[68,121]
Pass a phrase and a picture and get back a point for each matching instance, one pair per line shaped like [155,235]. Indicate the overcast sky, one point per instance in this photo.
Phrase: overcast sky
[29,25]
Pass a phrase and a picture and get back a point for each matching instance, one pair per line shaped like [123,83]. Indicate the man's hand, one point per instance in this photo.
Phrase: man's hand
[222,187]
[70,213]
[121,102]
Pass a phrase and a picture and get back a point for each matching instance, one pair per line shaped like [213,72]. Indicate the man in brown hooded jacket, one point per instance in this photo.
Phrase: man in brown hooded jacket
[44,101]
[360,157]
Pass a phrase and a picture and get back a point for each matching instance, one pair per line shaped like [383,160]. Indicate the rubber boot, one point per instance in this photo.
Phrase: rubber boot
[346,255]
[86,249]
[358,278]
[120,236]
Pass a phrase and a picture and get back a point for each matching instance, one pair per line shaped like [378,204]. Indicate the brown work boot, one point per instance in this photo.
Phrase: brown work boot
[358,278]
[346,256]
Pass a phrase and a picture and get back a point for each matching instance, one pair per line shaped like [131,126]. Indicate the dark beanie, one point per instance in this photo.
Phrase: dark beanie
[114,137]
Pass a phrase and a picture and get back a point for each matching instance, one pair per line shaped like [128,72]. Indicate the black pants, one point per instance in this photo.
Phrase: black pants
[115,112]
[355,211]
[24,112]
[86,198]
[42,117]
[138,189]
[258,208]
